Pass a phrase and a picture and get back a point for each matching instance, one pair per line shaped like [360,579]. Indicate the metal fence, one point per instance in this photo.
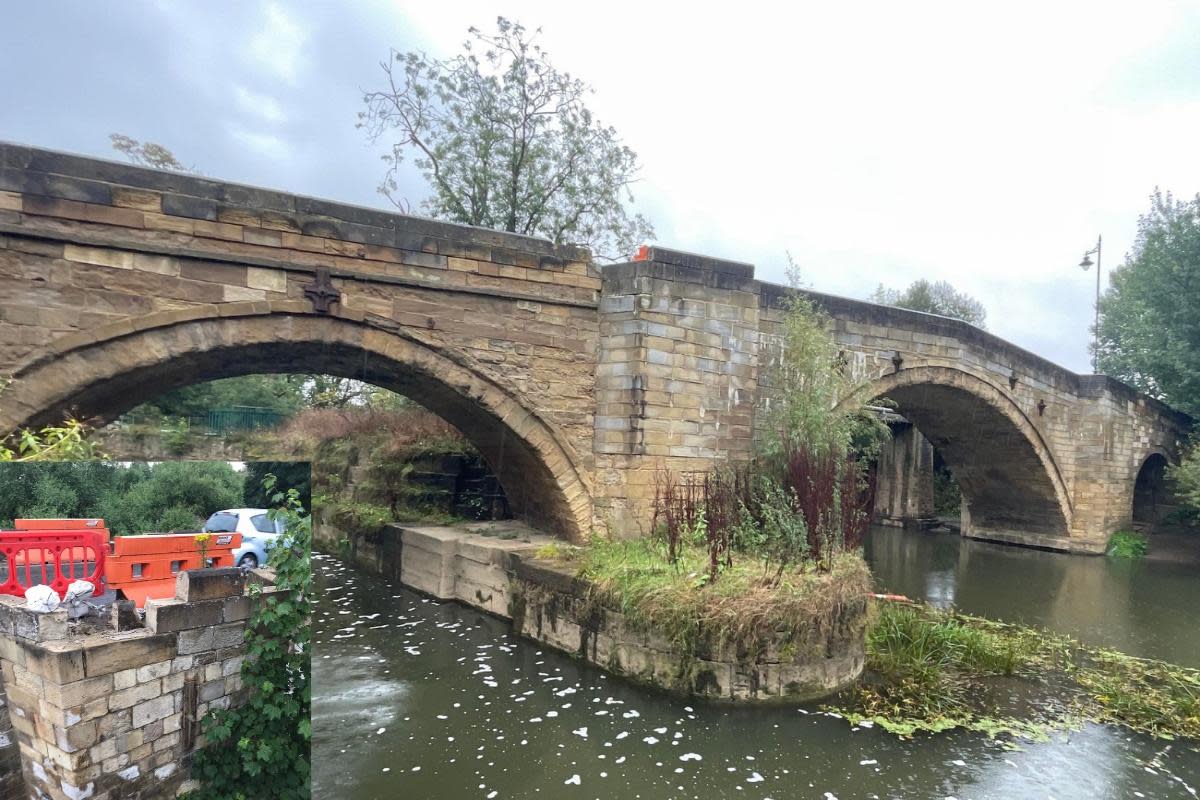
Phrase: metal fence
[241,418]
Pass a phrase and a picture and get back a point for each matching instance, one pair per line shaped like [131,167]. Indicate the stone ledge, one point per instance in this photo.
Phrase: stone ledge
[76,178]
[209,584]
[18,621]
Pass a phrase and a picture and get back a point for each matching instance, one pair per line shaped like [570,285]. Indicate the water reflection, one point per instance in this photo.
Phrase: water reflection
[1141,608]
[417,699]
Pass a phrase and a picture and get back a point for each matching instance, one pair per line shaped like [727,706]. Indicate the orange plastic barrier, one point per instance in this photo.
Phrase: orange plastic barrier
[59,525]
[52,557]
[39,525]
[146,566]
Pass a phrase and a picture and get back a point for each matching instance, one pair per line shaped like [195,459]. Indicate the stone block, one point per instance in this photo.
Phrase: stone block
[173,615]
[209,584]
[116,652]
[152,710]
[236,609]
[229,635]
[211,691]
[80,736]
[151,671]
[195,641]
[59,661]
[116,723]
[78,693]
[125,679]
[129,698]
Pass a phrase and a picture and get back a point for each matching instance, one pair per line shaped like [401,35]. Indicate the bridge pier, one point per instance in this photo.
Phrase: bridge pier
[904,478]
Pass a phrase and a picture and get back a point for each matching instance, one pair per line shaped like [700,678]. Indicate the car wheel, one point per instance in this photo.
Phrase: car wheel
[249,561]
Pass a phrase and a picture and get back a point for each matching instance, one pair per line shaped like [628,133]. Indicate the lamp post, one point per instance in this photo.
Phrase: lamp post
[1086,263]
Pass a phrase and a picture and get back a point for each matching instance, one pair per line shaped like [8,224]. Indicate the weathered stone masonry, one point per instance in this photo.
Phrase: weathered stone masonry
[115,715]
[575,383]
[12,785]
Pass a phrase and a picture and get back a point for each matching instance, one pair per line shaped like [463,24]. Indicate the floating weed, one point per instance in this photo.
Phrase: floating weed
[930,670]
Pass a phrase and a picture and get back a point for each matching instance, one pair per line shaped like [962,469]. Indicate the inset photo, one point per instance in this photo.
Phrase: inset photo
[153,621]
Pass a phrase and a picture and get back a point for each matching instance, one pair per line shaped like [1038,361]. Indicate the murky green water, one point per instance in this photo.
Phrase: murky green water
[1144,608]
[419,699]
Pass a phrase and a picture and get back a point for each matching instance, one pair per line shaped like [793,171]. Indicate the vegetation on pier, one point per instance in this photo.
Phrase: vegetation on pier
[746,610]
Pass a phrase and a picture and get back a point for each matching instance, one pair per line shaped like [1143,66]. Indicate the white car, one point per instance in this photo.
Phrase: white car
[259,533]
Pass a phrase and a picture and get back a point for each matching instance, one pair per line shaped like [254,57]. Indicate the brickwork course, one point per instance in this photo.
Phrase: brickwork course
[575,382]
[116,714]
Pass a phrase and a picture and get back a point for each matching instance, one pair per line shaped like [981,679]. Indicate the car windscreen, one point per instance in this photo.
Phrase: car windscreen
[221,523]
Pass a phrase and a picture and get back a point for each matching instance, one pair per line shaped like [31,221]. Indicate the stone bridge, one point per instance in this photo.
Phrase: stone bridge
[575,382]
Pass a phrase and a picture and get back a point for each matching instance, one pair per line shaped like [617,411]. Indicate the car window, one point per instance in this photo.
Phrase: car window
[221,523]
[262,523]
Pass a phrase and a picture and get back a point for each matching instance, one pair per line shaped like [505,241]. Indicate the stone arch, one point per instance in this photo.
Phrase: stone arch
[1012,487]
[1153,500]
[103,373]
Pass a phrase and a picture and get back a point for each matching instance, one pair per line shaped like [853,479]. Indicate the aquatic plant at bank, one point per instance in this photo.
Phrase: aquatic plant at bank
[1127,544]
[932,670]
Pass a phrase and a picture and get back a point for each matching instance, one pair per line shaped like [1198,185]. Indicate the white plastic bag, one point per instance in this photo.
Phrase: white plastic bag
[78,590]
[41,598]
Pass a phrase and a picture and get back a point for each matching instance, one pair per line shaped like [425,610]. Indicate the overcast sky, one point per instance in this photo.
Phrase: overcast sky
[877,142]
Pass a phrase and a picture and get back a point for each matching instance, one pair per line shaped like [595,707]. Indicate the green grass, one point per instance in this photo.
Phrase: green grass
[744,608]
[1127,544]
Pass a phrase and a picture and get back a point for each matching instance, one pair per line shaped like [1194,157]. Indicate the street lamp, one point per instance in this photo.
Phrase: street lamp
[1086,263]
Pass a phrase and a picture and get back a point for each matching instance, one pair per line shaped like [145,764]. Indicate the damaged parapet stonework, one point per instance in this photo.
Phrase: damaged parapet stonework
[107,711]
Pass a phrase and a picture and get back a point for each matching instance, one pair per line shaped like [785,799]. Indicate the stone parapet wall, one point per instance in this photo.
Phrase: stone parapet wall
[114,714]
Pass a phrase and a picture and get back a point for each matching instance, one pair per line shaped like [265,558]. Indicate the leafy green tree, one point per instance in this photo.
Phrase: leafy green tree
[135,498]
[166,490]
[327,391]
[506,141]
[147,154]
[934,298]
[814,401]
[1150,315]
[282,393]
[54,489]
[288,475]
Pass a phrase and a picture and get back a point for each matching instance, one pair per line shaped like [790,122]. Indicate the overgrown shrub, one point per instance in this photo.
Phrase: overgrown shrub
[1128,544]
[63,442]
[819,507]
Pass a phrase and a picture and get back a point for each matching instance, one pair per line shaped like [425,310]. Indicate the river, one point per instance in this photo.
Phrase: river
[416,699]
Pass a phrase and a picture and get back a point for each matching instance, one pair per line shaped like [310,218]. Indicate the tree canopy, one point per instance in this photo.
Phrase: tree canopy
[934,298]
[506,141]
[134,498]
[147,154]
[1150,314]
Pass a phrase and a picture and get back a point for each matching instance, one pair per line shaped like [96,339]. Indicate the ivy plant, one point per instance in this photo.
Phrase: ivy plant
[260,750]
